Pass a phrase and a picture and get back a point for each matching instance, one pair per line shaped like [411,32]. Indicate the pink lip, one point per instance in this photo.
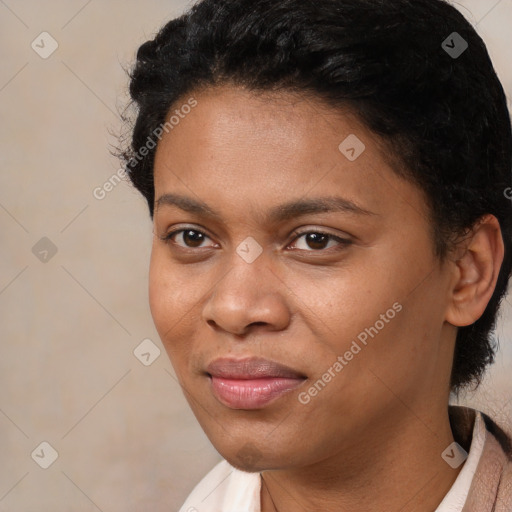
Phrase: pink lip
[251,383]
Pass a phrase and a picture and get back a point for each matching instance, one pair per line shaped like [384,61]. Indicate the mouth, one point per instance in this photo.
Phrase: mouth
[251,383]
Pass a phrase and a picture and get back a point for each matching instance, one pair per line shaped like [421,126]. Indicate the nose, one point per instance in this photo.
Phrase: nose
[250,296]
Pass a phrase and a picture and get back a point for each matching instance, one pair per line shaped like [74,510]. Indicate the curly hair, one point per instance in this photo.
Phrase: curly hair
[444,117]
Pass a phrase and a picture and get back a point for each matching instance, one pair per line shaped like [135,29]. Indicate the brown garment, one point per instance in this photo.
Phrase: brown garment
[491,488]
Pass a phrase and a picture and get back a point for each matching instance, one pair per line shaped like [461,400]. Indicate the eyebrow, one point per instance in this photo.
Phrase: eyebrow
[279,213]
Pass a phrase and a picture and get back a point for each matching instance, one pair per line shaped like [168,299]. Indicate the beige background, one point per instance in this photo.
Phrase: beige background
[125,437]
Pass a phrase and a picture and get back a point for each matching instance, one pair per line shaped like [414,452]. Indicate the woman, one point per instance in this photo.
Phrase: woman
[333,238]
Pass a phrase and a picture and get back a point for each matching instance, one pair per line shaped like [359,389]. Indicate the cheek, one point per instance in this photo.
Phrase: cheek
[382,319]
[159,289]
[402,356]
[167,299]
[169,312]
[175,297]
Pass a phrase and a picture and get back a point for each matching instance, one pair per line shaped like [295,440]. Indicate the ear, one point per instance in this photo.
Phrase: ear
[475,272]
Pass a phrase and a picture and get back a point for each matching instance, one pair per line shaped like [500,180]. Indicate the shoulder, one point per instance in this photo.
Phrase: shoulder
[491,487]
[492,482]
[225,488]
[462,420]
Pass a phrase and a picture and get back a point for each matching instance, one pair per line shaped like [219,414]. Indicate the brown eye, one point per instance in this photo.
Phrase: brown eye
[317,241]
[190,238]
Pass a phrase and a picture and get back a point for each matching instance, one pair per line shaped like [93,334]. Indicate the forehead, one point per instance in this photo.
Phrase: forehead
[245,129]
[236,145]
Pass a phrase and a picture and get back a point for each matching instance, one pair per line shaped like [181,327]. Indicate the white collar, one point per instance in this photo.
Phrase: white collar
[456,498]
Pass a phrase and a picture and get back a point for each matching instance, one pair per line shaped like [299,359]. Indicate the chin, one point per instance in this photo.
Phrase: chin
[248,458]
[251,459]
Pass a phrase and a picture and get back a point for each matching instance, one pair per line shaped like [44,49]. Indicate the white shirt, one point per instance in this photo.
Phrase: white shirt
[227,489]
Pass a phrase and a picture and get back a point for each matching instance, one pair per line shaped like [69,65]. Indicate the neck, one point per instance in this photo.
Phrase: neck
[389,468]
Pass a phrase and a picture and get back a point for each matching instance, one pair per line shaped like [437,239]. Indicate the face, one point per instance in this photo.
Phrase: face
[293,281]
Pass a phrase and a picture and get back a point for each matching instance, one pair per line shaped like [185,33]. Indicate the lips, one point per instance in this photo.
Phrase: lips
[250,368]
[251,383]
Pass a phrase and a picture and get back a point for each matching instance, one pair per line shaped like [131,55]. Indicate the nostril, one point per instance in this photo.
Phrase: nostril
[257,323]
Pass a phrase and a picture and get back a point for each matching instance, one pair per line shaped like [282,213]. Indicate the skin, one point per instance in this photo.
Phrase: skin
[372,438]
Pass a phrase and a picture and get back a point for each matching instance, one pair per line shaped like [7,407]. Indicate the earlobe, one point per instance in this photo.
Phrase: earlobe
[476,272]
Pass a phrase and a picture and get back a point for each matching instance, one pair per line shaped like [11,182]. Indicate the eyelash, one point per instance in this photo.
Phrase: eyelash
[342,241]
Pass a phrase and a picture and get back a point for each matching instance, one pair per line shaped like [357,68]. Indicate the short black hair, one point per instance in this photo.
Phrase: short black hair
[438,106]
